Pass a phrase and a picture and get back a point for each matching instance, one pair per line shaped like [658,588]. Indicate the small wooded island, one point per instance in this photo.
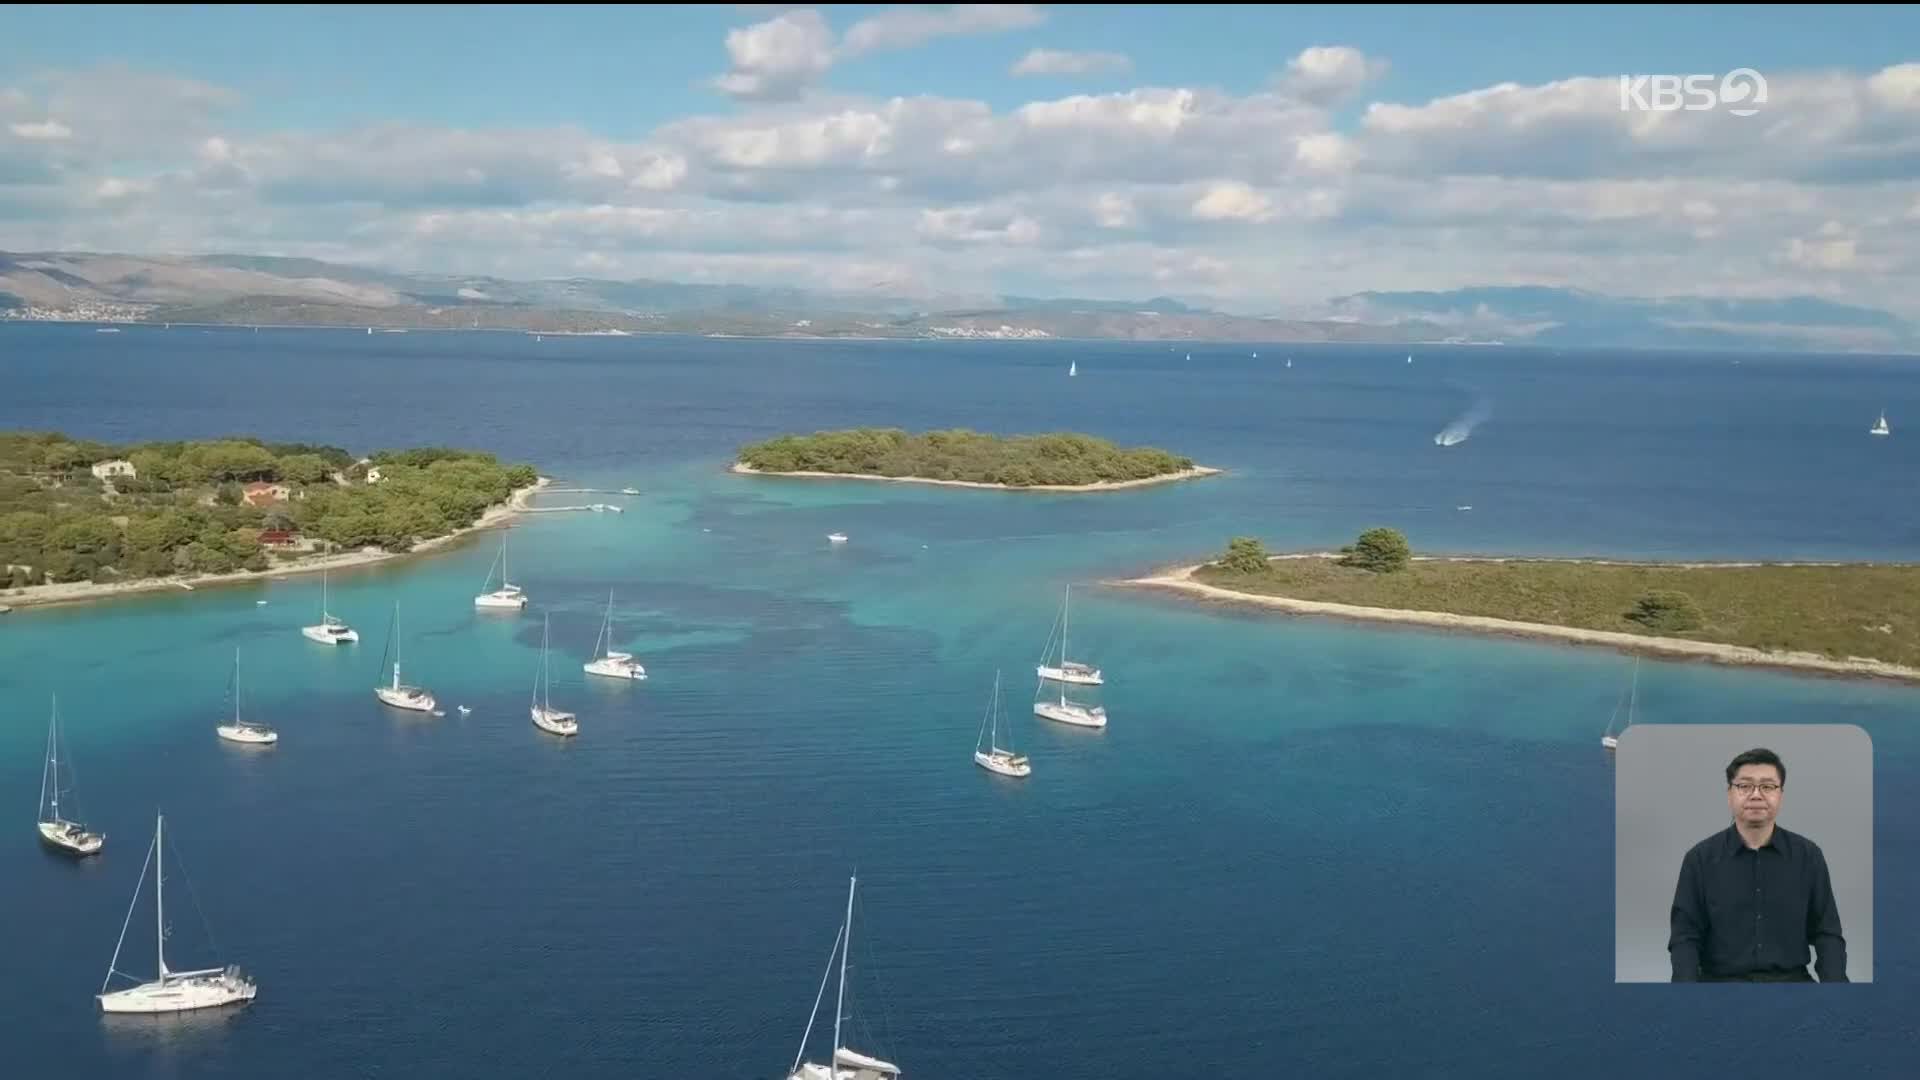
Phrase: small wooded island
[80,518]
[1058,461]
[1845,618]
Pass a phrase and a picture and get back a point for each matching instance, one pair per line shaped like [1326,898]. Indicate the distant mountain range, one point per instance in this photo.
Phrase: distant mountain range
[266,290]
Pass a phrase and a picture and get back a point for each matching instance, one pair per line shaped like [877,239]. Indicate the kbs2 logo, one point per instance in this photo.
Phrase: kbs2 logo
[1740,91]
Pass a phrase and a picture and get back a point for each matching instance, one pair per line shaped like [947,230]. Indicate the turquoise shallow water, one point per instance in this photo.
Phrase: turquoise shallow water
[1303,846]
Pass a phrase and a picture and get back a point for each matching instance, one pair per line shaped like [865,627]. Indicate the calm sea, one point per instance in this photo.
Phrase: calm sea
[1302,848]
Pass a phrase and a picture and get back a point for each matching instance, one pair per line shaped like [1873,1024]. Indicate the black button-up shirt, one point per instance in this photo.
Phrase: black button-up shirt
[1754,913]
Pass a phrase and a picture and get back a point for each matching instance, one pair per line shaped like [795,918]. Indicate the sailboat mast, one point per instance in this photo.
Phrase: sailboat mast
[53,759]
[606,630]
[236,686]
[541,684]
[995,744]
[840,1003]
[1066,607]
[160,892]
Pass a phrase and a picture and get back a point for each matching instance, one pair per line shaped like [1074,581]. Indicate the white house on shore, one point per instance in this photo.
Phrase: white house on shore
[107,470]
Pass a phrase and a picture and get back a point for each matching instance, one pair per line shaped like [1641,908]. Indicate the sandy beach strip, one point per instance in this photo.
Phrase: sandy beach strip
[1104,485]
[1180,579]
[78,592]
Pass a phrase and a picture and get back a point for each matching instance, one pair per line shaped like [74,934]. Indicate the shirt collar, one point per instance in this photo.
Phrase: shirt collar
[1736,843]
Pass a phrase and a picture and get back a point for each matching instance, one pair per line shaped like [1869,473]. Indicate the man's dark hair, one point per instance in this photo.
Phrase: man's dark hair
[1757,756]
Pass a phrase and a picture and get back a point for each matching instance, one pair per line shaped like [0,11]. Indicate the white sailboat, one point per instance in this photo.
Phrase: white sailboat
[1073,367]
[170,991]
[847,1064]
[508,595]
[1070,712]
[1881,428]
[398,694]
[1068,671]
[1609,739]
[545,716]
[994,758]
[330,630]
[244,731]
[614,665]
[69,836]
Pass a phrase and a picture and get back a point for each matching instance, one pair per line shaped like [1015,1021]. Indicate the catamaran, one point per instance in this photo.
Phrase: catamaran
[614,665]
[994,758]
[70,836]
[170,991]
[1609,739]
[397,694]
[244,731]
[508,595]
[848,1064]
[545,716]
[1069,671]
[330,631]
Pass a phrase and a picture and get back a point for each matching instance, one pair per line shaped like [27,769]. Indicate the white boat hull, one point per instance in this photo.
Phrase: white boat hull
[810,1071]
[407,697]
[616,666]
[555,721]
[1004,764]
[502,599]
[329,636]
[253,736]
[1071,675]
[182,993]
[1077,715]
[70,837]
[1611,742]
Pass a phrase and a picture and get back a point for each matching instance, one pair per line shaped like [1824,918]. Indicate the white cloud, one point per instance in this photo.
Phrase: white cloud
[1232,201]
[977,225]
[776,59]
[1897,87]
[1057,62]
[1254,197]
[1113,210]
[115,187]
[1324,151]
[45,129]
[1330,73]
[1821,254]
[1822,126]
[907,26]
[781,58]
[1148,112]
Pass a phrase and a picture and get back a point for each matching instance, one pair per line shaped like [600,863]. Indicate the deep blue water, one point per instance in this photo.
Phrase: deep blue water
[1302,848]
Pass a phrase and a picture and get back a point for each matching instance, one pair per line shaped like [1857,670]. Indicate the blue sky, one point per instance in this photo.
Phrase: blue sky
[1209,161]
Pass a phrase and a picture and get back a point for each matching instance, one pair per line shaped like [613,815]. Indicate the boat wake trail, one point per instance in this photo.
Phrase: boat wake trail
[1461,429]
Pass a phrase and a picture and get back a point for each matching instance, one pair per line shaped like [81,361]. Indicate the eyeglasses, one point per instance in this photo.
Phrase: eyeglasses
[1768,789]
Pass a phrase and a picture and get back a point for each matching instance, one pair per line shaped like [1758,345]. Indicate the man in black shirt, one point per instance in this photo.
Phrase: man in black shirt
[1755,897]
